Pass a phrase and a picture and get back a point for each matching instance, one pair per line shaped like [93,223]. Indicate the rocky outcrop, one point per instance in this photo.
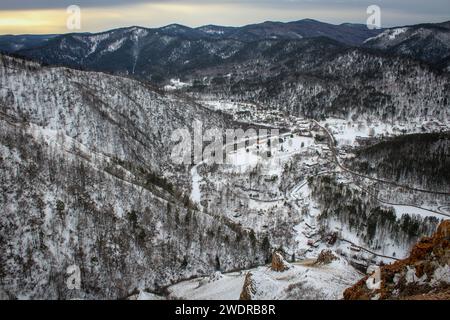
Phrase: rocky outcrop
[278,263]
[325,257]
[424,275]
[249,288]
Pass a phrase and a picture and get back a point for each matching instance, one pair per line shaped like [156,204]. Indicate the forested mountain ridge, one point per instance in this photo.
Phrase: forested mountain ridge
[177,51]
[342,82]
[158,53]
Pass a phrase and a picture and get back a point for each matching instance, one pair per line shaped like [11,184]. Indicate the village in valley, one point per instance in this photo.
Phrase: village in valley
[273,195]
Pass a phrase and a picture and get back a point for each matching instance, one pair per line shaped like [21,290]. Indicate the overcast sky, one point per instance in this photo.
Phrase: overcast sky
[47,16]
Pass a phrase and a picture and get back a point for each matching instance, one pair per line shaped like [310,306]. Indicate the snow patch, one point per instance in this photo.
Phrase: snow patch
[394,33]
[175,84]
[115,45]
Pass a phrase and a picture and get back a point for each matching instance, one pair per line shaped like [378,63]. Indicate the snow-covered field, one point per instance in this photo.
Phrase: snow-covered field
[402,209]
[175,84]
[346,131]
[216,287]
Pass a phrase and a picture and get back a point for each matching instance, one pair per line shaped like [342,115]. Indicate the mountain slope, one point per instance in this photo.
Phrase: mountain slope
[85,182]
[419,159]
[427,42]
[143,53]
[79,103]
[318,78]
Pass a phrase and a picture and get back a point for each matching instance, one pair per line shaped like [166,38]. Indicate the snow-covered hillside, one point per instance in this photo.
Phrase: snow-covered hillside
[427,42]
[303,281]
[86,182]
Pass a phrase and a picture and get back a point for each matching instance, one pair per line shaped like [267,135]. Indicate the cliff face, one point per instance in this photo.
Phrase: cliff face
[425,274]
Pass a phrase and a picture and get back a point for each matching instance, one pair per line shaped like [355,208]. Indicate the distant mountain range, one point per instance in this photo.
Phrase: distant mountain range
[307,28]
[175,50]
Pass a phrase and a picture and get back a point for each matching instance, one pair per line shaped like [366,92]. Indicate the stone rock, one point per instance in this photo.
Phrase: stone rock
[248,289]
[325,257]
[278,263]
